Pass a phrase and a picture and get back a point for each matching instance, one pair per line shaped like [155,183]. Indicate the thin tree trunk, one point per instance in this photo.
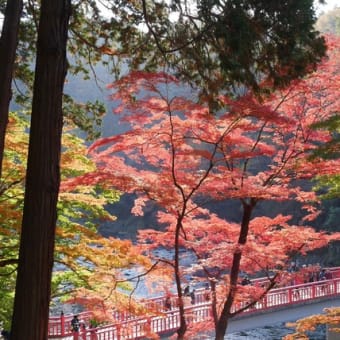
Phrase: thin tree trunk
[33,287]
[183,325]
[222,323]
[8,46]
[214,302]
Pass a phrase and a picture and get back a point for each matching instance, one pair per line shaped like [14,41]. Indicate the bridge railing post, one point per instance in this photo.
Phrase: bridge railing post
[290,295]
[332,287]
[119,331]
[265,301]
[62,323]
[148,326]
[313,291]
[336,286]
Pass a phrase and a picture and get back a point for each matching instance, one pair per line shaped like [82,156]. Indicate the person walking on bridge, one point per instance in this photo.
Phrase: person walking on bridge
[75,324]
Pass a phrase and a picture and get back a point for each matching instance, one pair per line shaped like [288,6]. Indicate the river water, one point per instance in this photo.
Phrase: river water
[274,332]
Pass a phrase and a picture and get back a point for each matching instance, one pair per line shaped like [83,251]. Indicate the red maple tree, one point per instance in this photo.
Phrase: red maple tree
[181,156]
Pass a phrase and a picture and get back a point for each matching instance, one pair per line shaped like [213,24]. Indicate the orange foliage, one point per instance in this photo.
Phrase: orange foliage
[181,156]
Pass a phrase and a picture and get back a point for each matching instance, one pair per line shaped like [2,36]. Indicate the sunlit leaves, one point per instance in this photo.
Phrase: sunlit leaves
[306,326]
[182,157]
[83,258]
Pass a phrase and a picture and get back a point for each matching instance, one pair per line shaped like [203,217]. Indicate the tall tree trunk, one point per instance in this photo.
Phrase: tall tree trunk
[33,287]
[8,46]
[222,323]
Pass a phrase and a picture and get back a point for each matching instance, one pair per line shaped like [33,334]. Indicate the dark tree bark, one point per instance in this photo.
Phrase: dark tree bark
[222,323]
[8,45]
[33,288]
[182,322]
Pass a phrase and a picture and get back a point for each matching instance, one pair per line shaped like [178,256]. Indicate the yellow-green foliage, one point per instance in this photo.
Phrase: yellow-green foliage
[83,258]
[304,326]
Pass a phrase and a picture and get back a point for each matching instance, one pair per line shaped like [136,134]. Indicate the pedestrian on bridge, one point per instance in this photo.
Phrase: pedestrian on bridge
[245,281]
[93,333]
[328,274]
[193,297]
[5,334]
[75,324]
[322,275]
[167,303]
[207,292]
[83,331]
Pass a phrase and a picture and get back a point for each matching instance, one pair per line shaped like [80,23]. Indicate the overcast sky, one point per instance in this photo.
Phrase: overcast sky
[330,4]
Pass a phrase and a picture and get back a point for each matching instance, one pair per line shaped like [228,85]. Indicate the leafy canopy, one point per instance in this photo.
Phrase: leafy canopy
[84,260]
[182,157]
[215,45]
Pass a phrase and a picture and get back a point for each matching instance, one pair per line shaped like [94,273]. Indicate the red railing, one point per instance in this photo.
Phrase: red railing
[128,326]
[61,325]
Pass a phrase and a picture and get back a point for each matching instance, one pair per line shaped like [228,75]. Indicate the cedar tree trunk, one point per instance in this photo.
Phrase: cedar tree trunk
[33,287]
[8,46]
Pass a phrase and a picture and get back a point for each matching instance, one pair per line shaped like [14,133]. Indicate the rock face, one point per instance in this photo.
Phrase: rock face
[332,332]
[127,224]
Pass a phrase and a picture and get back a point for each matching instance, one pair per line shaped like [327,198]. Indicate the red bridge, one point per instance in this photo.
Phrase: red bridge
[132,327]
